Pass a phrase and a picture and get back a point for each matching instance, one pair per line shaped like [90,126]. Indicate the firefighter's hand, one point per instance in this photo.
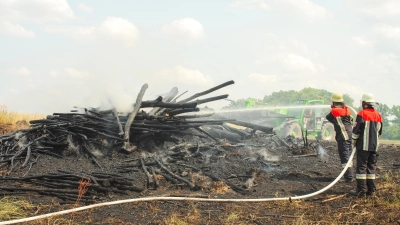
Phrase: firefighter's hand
[353,143]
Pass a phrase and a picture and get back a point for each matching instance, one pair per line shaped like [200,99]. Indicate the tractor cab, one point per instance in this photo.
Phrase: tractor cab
[307,116]
[307,113]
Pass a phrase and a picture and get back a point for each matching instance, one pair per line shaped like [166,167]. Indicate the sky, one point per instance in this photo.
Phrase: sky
[57,54]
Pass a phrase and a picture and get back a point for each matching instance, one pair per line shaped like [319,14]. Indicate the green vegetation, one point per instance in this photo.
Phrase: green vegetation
[284,97]
[391,121]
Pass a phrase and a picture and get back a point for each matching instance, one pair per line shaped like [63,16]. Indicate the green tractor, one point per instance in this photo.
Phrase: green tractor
[306,117]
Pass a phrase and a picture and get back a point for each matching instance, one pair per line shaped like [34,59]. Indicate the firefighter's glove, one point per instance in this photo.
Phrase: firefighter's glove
[353,143]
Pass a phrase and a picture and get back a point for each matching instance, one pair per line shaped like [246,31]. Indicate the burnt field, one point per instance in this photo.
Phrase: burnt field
[246,170]
[90,156]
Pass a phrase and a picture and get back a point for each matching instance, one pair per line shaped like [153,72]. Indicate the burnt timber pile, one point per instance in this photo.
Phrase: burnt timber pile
[126,153]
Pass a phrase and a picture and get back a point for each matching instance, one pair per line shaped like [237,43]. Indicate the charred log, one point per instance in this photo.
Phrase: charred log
[207,91]
[127,146]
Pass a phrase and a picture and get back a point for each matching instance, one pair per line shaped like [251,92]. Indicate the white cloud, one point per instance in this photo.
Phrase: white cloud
[285,45]
[362,42]
[388,31]
[114,28]
[187,29]
[20,71]
[80,33]
[15,30]
[13,12]
[53,73]
[388,63]
[377,8]
[298,62]
[262,79]
[54,91]
[389,57]
[85,8]
[304,8]
[13,90]
[120,29]
[77,73]
[183,76]
[35,10]
[250,4]
[288,55]
[354,91]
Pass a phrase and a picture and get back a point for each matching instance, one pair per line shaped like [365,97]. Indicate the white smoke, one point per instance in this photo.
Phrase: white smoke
[267,156]
[321,151]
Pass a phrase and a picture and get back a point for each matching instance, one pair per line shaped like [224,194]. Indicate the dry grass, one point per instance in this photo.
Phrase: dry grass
[7,117]
[219,187]
[232,218]
[396,142]
[9,121]
[190,216]
[174,219]
[14,208]
[55,220]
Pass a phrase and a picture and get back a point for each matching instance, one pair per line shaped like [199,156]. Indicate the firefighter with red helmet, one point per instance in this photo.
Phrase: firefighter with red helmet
[342,121]
[366,132]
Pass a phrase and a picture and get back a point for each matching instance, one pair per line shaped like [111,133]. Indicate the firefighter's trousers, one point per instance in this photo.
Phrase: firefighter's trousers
[344,149]
[365,172]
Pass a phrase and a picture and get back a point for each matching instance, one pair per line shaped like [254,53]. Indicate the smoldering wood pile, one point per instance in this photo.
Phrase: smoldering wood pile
[185,150]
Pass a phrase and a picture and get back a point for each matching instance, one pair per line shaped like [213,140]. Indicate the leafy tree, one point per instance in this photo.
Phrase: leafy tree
[395,111]
[386,113]
[280,98]
[391,122]
[348,100]
[391,132]
[284,97]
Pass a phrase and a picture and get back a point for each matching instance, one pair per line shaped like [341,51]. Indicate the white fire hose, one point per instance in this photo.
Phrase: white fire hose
[146,199]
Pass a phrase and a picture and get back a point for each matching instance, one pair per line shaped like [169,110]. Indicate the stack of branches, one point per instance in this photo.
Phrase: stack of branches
[64,184]
[96,132]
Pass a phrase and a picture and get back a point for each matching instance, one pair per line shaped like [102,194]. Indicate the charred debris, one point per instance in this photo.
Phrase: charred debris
[138,151]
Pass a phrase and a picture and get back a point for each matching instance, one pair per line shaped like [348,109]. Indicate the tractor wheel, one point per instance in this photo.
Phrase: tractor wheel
[293,129]
[327,132]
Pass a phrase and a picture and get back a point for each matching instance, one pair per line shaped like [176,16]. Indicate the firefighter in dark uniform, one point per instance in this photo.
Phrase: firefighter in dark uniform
[342,121]
[366,132]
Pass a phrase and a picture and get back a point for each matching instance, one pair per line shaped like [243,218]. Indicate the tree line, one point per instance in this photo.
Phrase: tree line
[390,115]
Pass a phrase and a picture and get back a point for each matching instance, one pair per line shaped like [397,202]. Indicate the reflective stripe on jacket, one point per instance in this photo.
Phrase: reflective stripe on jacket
[342,122]
[367,129]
